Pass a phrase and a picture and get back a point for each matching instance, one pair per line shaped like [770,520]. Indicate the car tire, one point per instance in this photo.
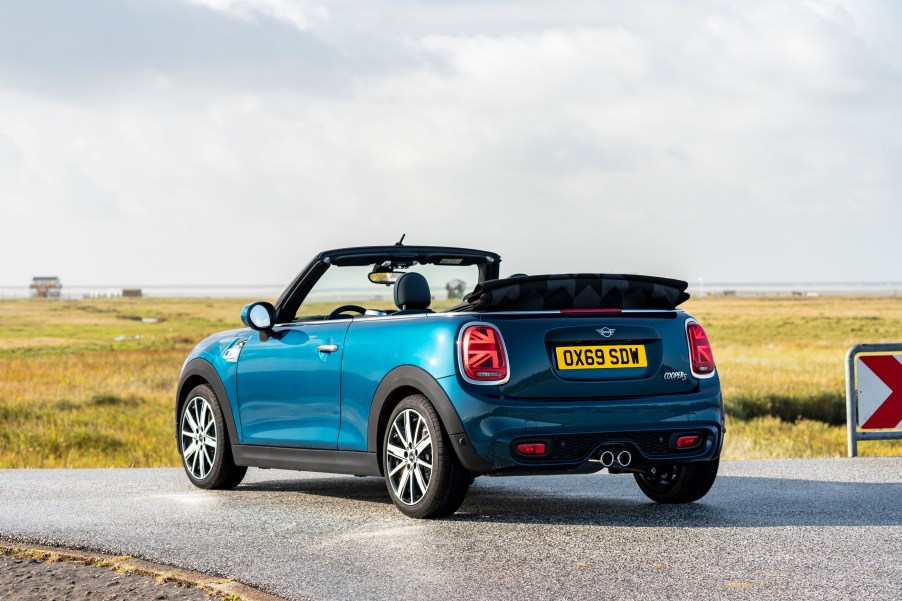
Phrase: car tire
[679,483]
[423,475]
[207,458]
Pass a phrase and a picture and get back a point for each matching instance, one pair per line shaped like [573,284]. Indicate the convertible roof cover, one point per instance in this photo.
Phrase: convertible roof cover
[576,291]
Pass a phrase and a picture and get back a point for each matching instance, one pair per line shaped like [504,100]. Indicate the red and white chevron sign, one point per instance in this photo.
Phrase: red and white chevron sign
[879,391]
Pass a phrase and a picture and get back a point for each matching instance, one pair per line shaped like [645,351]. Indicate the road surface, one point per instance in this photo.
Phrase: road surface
[830,529]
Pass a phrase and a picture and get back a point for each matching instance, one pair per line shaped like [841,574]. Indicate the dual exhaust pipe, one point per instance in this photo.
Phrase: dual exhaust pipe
[622,459]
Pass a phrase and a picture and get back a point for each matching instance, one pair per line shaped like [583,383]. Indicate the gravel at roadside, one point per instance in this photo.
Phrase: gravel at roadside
[27,579]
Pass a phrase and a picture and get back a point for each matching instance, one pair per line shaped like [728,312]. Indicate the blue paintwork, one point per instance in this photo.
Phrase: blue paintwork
[212,349]
[374,347]
[285,393]
[288,392]
[244,314]
[492,423]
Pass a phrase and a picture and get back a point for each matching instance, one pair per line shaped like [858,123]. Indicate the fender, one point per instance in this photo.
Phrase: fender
[199,367]
[409,376]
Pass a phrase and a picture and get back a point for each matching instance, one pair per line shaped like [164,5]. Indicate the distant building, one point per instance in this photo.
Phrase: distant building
[455,288]
[131,292]
[45,287]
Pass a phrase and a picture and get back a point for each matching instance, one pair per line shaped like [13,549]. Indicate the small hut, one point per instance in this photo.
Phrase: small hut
[45,287]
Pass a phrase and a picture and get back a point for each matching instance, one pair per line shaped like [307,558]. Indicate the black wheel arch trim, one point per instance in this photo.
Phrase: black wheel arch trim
[410,376]
[203,369]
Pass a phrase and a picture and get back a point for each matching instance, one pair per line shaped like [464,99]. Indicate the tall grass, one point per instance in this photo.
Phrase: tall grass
[88,384]
[784,357]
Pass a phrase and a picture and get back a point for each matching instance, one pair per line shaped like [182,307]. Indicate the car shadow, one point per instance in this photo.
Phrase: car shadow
[734,501]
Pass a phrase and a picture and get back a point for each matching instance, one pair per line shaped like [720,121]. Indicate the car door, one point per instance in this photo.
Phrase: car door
[289,385]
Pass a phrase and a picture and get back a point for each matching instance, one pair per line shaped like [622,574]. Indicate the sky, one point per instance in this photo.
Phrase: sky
[211,142]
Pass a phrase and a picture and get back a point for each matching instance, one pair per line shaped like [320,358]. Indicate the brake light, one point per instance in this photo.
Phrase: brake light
[532,448]
[482,355]
[701,358]
[684,442]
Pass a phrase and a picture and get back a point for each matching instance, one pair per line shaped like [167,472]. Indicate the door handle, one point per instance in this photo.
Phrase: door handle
[327,348]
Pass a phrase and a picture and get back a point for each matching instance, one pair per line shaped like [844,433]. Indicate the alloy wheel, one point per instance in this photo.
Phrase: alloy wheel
[198,437]
[408,457]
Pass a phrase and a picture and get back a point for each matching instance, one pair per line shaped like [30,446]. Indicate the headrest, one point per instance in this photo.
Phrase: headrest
[412,292]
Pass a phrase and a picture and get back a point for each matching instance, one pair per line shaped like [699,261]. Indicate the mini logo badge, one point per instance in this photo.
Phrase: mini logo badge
[606,331]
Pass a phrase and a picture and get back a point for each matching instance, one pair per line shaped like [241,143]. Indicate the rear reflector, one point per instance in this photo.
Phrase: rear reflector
[531,448]
[482,355]
[684,442]
[701,358]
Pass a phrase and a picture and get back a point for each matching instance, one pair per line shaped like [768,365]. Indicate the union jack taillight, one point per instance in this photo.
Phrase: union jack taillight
[483,358]
[701,358]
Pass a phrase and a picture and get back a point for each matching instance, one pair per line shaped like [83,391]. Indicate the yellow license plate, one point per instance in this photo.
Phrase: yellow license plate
[600,357]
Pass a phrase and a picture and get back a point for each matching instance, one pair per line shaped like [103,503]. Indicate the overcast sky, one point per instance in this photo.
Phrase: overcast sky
[226,141]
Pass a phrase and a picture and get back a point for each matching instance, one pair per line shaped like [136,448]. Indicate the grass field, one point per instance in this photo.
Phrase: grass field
[89,384]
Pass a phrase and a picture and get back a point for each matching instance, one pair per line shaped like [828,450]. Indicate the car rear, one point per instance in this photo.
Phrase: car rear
[552,391]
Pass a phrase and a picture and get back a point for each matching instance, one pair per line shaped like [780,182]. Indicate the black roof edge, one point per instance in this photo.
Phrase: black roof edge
[404,251]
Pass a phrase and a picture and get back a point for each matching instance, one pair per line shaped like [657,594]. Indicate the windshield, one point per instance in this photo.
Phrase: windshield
[350,285]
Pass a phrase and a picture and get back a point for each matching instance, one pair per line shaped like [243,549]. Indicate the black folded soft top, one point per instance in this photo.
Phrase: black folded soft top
[576,291]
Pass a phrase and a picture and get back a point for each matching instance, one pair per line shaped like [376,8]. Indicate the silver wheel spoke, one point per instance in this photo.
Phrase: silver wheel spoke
[404,477]
[190,419]
[398,431]
[407,435]
[192,448]
[424,444]
[396,451]
[428,466]
[210,442]
[396,469]
[418,475]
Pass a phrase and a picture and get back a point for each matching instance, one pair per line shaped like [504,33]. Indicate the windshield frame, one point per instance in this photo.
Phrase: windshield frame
[290,301]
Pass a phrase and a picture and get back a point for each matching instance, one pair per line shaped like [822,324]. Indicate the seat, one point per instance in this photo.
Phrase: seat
[412,294]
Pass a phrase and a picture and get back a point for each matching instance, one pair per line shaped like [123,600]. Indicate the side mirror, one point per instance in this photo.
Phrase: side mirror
[260,316]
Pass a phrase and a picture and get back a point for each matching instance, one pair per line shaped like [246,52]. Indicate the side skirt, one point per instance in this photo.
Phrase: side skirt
[307,460]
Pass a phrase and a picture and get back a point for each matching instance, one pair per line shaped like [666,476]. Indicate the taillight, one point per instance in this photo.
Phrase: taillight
[701,358]
[482,355]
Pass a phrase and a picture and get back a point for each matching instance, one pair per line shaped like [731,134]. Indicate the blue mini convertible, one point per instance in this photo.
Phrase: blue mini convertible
[421,365]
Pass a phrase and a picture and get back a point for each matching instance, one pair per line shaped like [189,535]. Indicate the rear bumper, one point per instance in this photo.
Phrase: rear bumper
[493,423]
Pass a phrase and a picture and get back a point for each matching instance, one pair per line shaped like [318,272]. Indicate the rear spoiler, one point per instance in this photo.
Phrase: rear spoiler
[576,291]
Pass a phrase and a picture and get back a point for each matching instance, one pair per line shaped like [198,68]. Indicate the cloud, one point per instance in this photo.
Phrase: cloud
[302,15]
[738,142]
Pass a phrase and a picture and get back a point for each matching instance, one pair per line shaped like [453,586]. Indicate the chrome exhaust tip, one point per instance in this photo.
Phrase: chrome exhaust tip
[624,458]
[606,459]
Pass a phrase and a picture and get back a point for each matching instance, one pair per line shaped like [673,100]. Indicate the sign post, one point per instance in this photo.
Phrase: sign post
[873,393]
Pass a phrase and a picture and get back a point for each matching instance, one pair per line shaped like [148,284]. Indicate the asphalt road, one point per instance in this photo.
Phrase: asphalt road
[830,529]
